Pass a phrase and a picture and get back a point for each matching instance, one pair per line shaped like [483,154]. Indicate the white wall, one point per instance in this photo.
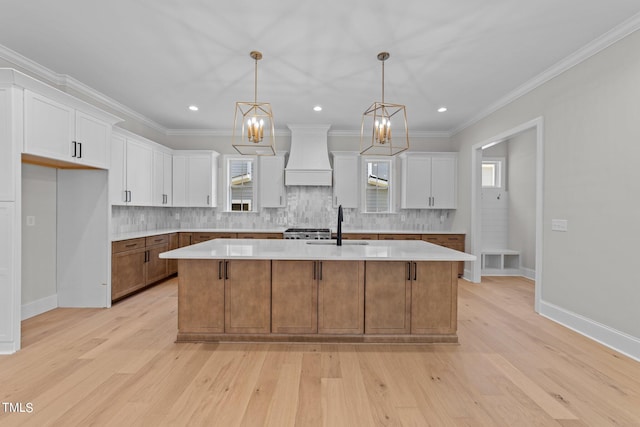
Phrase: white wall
[592,179]
[521,179]
[38,241]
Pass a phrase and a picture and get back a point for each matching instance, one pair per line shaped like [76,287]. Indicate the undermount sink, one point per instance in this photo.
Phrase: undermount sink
[333,242]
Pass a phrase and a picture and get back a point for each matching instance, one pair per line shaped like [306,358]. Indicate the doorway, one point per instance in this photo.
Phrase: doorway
[476,200]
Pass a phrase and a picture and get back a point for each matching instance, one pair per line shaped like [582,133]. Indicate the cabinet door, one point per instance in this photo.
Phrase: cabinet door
[9,132]
[92,137]
[444,182]
[341,298]
[271,187]
[433,297]
[48,127]
[157,268]
[174,243]
[199,181]
[179,184]
[416,182]
[387,298]
[200,296]
[139,172]
[345,181]
[127,272]
[247,295]
[167,178]
[294,297]
[117,171]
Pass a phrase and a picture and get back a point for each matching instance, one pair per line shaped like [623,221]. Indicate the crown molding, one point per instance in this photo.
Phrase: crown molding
[616,34]
[66,81]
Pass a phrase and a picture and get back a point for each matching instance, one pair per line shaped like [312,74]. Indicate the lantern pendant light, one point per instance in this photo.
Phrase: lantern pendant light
[378,118]
[253,121]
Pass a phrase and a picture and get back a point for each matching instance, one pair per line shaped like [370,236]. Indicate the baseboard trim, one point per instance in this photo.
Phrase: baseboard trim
[529,273]
[39,306]
[603,334]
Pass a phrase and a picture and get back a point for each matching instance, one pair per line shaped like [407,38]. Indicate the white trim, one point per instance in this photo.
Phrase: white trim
[603,334]
[39,306]
[529,273]
[585,52]
[476,201]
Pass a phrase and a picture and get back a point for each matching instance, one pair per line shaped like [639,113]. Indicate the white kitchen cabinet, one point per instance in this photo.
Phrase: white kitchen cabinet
[346,179]
[57,131]
[9,278]
[195,176]
[162,185]
[130,175]
[271,188]
[429,180]
[9,142]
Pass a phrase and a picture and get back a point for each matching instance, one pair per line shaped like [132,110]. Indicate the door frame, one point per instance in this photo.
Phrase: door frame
[476,200]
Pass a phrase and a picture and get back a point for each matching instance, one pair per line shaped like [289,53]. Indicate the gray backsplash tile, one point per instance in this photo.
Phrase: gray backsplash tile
[306,207]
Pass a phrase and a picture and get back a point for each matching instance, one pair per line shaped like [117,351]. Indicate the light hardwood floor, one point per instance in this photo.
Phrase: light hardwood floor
[121,367]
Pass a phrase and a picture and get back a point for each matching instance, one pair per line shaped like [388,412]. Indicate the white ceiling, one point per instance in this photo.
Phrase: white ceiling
[158,56]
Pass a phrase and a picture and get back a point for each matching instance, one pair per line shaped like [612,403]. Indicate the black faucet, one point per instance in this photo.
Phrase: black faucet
[339,236]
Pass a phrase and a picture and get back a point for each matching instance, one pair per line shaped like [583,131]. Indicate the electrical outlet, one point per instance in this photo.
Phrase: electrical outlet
[559,225]
[31,221]
[177,216]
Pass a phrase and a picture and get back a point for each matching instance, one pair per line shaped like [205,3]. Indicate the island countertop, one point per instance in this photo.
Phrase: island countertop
[351,250]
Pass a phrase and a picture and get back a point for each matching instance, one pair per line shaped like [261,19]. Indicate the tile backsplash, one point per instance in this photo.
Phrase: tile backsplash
[306,207]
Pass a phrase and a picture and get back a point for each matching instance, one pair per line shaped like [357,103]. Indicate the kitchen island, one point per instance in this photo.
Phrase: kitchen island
[315,291]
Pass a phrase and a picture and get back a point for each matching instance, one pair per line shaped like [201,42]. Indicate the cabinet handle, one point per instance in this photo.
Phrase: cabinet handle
[226,270]
[320,274]
[80,150]
[207,200]
[408,270]
[314,269]
[415,271]
[219,270]
[74,149]
[146,256]
[281,200]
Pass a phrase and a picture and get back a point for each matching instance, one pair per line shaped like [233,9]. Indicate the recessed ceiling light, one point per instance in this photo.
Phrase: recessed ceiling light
[193,107]
[317,108]
[442,109]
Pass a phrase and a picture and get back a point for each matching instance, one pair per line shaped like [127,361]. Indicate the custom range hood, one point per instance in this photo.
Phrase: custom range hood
[309,156]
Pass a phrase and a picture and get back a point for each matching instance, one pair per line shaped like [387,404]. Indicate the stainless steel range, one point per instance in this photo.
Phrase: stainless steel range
[307,233]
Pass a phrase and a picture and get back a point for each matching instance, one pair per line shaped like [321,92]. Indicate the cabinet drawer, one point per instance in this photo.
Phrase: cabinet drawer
[157,240]
[359,236]
[443,239]
[203,237]
[259,235]
[399,236]
[128,245]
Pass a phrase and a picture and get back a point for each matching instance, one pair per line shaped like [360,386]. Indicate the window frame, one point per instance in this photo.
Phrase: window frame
[499,175]
[366,160]
[228,202]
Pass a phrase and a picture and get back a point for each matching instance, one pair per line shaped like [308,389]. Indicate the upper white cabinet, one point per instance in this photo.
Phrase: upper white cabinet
[131,172]
[195,178]
[162,185]
[429,180]
[57,131]
[271,182]
[346,179]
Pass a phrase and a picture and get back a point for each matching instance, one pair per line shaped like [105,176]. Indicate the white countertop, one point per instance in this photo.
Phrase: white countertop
[149,233]
[366,250]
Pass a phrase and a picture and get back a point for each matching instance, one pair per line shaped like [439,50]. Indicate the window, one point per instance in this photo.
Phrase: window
[377,194]
[492,173]
[241,177]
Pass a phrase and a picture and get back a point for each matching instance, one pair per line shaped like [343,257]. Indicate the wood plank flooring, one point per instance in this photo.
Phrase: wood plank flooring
[121,367]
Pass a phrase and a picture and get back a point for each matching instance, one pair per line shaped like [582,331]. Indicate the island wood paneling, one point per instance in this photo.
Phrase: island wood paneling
[387,298]
[341,298]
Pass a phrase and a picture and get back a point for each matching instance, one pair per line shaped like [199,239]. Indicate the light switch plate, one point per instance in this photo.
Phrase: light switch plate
[31,220]
[559,225]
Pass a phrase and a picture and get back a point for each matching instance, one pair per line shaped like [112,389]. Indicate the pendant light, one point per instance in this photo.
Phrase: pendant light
[253,122]
[378,118]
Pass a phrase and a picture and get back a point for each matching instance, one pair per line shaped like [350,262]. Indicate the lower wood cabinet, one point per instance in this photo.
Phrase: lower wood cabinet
[247,296]
[387,298]
[405,297]
[294,297]
[347,301]
[451,241]
[341,297]
[325,297]
[174,243]
[135,263]
[200,297]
